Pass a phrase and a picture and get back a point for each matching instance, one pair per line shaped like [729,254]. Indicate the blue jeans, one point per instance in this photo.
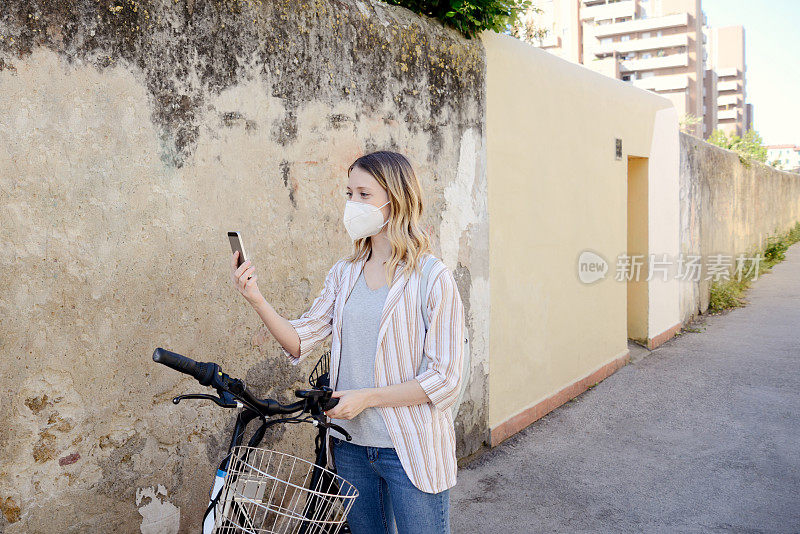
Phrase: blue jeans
[387,502]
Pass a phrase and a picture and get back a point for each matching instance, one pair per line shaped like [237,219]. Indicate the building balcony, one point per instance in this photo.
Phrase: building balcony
[625,8]
[732,85]
[652,43]
[727,99]
[653,63]
[728,114]
[727,73]
[641,25]
[671,82]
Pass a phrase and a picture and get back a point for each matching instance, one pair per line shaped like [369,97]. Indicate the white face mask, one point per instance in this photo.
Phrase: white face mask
[362,219]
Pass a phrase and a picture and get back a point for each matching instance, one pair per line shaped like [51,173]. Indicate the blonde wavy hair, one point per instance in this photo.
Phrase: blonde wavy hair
[408,239]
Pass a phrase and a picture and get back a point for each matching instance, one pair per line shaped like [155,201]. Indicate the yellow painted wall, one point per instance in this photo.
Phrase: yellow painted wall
[637,246]
[555,189]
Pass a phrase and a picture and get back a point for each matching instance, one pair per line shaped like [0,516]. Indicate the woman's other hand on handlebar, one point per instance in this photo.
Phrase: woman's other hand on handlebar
[245,279]
[351,403]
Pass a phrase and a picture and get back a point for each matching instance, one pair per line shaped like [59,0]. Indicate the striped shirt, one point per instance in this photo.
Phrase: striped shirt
[423,434]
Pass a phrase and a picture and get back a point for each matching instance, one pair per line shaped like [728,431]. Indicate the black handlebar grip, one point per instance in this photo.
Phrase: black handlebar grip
[203,372]
[330,403]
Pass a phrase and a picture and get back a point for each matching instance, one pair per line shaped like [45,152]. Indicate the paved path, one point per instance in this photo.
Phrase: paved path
[700,435]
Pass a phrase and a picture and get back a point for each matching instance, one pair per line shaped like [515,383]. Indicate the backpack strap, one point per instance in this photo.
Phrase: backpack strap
[427,267]
[423,288]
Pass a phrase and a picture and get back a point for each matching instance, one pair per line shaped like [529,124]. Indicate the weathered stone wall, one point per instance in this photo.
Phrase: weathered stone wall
[132,136]
[728,208]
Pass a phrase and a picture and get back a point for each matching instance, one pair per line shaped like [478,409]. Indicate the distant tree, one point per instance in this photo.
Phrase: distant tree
[525,26]
[718,138]
[752,143]
[750,146]
[688,122]
[470,17]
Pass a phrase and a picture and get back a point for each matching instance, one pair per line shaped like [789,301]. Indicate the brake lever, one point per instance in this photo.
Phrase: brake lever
[216,400]
[319,420]
[340,430]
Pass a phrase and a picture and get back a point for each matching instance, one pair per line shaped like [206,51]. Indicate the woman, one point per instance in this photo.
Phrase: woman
[402,454]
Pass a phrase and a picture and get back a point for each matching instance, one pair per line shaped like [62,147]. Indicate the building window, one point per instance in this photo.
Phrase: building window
[606,41]
[625,38]
[645,35]
[646,55]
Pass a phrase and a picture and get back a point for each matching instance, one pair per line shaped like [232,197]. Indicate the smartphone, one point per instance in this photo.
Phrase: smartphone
[236,244]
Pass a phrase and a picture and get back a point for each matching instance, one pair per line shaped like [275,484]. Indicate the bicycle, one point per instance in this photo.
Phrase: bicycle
[246,494]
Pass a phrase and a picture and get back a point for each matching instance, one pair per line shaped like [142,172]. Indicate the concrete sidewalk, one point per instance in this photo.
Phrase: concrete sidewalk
[700,435]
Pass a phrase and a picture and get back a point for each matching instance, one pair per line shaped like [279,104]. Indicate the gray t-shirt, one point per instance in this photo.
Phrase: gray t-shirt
[361,318]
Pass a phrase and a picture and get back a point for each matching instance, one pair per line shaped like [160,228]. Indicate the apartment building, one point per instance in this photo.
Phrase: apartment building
[785,157]
[710,119]
[564,31]
[726,57]
[658,45]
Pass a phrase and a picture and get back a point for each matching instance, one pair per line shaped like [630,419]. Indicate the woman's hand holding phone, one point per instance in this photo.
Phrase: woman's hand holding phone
[244,279]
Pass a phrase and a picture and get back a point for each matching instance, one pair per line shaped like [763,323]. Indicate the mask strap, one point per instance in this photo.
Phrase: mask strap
[387,219]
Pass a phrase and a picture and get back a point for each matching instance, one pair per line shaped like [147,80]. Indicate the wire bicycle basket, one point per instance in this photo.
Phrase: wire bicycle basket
[319,375]
[266,491]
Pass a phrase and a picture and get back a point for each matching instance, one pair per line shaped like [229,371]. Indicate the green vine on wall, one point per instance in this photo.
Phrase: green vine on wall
[470,17]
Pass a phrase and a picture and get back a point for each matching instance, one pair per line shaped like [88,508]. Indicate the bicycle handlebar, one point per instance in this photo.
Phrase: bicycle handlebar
[203,372]
[209,374]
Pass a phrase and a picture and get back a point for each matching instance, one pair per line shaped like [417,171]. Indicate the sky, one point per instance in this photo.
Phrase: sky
[772,59]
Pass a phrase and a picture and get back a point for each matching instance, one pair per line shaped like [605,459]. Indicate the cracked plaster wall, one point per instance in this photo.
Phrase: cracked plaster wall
[132,136]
